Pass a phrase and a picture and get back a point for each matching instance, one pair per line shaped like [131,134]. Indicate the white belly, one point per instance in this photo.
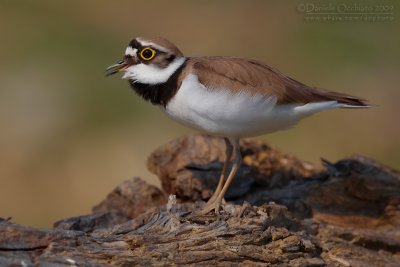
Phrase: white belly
[219,112]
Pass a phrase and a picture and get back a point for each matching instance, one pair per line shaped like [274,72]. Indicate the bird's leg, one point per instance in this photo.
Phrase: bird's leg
[216,203]
[237,160]
[224,172]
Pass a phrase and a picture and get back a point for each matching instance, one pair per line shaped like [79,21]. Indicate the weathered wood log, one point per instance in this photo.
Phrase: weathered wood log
[281,211]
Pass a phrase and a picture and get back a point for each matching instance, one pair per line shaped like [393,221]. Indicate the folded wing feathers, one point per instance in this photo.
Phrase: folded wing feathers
[296,91]
[238,74]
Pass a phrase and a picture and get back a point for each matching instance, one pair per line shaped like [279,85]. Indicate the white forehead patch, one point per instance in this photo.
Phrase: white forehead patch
[130,51]
[156,46]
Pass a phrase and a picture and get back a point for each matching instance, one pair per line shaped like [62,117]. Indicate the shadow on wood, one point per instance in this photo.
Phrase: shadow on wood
[281,211]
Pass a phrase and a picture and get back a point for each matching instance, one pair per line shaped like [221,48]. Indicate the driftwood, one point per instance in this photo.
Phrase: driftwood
[280,211]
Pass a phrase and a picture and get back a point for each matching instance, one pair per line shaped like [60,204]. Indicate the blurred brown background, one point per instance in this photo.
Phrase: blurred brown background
[69,135]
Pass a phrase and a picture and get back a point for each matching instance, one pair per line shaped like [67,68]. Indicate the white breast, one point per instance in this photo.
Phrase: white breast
[219,112]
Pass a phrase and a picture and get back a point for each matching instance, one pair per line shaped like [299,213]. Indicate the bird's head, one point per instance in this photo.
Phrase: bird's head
[148,61]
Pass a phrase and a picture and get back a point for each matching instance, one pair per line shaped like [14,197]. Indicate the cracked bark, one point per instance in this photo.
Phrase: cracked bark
[281,211]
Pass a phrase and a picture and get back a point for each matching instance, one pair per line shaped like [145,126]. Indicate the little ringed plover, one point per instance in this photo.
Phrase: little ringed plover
[229,97]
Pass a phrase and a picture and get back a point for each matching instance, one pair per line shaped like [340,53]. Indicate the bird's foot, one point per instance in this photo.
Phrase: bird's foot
[211,205]
[209,212]
[207,208]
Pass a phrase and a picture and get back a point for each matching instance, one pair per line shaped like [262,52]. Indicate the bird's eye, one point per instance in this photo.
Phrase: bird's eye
[147,53]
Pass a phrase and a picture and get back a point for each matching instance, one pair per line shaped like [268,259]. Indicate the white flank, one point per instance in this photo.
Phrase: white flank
[219,112]
[151,74]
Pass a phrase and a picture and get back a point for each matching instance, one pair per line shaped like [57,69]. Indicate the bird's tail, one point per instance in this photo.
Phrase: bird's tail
[344,100]
[296,90]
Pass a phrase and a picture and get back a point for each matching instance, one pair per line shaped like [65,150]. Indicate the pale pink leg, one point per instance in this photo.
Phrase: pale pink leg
[216,203]
[224,172]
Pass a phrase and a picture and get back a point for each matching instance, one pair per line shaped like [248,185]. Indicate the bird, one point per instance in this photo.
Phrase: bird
[227,97]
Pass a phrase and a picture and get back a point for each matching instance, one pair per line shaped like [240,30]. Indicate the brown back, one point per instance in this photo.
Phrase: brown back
[239,74]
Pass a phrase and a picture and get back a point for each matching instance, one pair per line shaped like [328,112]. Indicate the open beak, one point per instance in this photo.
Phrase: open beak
[120,66]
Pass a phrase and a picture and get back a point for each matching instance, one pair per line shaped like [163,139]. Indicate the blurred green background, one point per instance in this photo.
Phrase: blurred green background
[68,135]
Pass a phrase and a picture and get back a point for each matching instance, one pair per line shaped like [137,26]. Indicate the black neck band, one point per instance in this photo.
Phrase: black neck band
[161,93]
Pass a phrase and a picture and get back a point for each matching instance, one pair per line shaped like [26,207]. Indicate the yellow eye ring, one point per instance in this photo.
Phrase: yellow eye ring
[147,53]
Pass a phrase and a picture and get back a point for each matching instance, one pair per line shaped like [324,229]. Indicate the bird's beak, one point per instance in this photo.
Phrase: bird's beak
[120,66]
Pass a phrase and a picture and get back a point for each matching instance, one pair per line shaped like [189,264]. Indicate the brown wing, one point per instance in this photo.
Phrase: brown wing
[238,74]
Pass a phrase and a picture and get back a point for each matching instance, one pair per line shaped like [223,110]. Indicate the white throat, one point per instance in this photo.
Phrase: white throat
[151,74]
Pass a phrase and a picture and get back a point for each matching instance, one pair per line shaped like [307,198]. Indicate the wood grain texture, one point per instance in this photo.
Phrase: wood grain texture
[294,214]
